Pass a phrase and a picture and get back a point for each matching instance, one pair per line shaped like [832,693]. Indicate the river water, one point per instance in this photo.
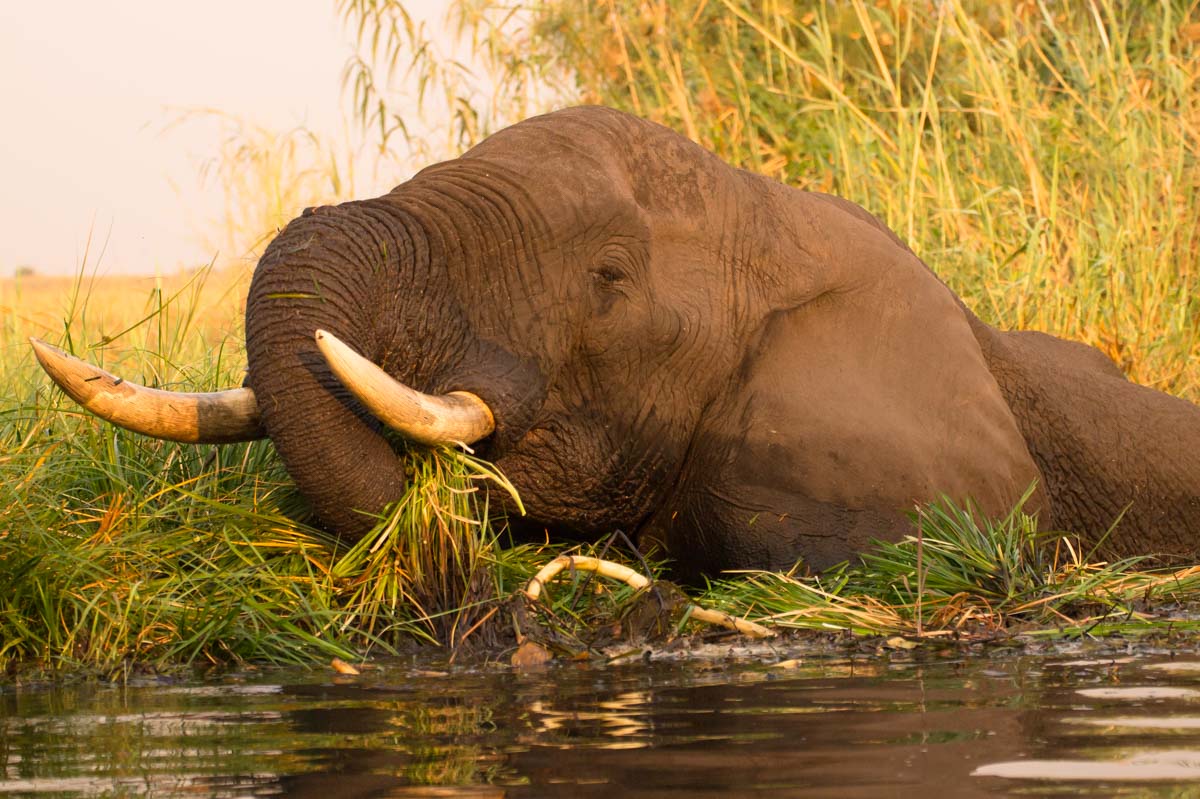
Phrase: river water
[1083,719]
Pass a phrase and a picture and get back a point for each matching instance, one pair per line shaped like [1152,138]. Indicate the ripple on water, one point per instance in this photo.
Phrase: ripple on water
[822,727]
[1089,663]
[1141,722]
[1137,692]
[1176,666]
[1174,766]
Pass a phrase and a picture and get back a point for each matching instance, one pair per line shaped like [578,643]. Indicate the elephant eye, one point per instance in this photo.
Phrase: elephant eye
[613,266]
[608,276]
[610,285]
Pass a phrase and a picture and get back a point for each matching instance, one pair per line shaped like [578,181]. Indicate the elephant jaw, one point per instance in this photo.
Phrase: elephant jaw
[457,418]
[219,417]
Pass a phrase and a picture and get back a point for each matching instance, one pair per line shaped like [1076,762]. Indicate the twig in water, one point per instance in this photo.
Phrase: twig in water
[636,581]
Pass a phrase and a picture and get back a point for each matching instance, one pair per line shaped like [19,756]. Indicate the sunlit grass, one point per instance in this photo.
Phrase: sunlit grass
[115,547]
[963,577]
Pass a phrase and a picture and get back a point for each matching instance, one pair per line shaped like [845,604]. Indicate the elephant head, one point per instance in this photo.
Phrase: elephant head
[637,334]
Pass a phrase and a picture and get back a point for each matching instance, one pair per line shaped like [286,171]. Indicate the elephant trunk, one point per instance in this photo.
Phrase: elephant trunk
[326,270]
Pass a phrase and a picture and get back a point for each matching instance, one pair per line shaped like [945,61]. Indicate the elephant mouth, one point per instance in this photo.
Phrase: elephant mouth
[458,418]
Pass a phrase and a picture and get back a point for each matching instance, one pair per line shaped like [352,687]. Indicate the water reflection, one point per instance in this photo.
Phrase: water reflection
[825,726]
[1181,766]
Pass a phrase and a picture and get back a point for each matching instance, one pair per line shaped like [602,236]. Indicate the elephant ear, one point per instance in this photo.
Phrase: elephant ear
[863,392]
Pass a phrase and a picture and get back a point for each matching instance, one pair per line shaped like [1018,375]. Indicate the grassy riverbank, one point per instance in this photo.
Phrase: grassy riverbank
[1043,162]
[118,550]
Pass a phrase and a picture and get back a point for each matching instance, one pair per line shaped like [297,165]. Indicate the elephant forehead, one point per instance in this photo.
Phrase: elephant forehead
[597,154]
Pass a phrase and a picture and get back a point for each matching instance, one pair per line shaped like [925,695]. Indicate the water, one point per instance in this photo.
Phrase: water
[879,723]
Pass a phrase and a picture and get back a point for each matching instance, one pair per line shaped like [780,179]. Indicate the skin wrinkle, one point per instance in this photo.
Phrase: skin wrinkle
[336,292]
[354,216]
[288,382]
[452,218]
[557,137]
[398,355]
[367,247]
[454,238]
[433,343]
[1078,452]
[490,213]
[477,186]
[669,345]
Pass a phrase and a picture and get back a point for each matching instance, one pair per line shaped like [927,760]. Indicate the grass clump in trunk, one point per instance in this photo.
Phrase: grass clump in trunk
[426,570]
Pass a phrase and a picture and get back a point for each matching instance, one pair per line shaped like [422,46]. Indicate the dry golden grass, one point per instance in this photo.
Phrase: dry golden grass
[103,307]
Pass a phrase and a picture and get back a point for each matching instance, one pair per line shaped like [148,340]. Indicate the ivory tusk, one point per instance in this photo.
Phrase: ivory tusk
[220,417]
[458,418]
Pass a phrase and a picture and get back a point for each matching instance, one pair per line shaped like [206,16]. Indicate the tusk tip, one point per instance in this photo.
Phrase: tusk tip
[47,354]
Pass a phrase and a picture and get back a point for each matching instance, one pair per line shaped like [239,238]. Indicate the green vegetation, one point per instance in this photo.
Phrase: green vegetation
[1042,158]
[963,578]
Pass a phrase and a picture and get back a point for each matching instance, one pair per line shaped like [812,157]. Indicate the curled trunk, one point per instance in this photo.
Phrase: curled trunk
[323,271]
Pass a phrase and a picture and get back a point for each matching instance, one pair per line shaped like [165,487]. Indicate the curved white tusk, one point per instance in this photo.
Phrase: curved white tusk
[458,417]
[220,417]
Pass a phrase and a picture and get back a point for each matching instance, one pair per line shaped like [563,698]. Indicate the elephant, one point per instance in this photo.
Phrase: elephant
[640,336]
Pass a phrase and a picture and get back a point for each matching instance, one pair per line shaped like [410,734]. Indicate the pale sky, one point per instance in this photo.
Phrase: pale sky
[87,89]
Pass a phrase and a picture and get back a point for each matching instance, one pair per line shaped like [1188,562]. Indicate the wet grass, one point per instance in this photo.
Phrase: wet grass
[961,577]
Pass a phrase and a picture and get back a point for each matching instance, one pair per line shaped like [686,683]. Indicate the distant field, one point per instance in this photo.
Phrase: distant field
[109,306]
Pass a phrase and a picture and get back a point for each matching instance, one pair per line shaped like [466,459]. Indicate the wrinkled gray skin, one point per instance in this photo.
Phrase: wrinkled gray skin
[743,373]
